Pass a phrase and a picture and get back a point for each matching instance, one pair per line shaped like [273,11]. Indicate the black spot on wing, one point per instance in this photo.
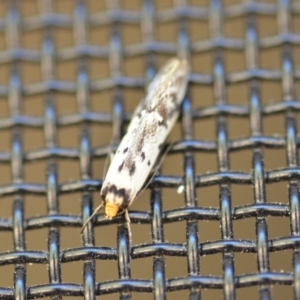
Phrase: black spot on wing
[132,169]
[162,123]
[104,193]
[148,163]
[143,156]
[125,150]
[121,166]
[121,193]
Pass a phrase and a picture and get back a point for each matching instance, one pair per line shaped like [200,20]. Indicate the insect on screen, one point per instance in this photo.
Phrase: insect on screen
[220,217]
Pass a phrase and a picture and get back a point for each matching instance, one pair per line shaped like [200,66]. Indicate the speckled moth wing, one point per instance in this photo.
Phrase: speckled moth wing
[148,130]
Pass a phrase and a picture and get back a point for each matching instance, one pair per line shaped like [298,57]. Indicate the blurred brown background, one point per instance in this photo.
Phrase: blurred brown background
[204,129]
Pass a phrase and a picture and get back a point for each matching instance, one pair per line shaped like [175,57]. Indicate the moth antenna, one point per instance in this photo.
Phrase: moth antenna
[91,217]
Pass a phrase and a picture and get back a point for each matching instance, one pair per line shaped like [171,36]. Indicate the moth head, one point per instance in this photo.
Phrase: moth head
[115,200]
[111,210]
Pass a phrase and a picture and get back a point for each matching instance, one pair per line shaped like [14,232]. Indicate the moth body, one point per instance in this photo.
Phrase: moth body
[140,147]
[147,131]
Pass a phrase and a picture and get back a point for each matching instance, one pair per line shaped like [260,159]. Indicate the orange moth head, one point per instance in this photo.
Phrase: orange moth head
[111,210]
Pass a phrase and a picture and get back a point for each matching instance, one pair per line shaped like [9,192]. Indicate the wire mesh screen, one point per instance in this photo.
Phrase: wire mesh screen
[71,74]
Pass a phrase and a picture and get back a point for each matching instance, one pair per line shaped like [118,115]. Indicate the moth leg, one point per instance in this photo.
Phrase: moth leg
[127,219]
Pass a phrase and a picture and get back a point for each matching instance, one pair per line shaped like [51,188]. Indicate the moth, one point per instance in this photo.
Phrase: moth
[140,148]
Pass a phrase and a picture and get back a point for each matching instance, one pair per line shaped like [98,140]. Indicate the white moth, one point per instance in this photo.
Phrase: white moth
[142,144]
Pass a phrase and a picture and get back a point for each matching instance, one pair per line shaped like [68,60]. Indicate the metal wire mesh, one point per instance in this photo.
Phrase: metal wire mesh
[147,17]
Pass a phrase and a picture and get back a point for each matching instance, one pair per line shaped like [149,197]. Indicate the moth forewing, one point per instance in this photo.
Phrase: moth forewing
[139,149]
[149,128]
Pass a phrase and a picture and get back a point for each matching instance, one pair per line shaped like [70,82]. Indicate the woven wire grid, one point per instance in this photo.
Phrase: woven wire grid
[81,21]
